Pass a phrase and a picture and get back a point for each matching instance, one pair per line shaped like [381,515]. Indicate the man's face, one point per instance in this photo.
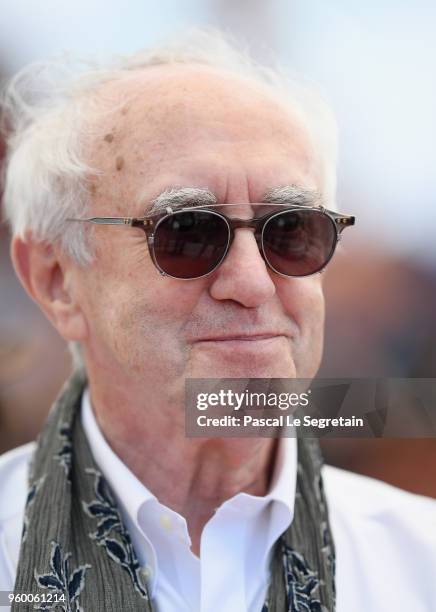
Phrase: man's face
[194,127]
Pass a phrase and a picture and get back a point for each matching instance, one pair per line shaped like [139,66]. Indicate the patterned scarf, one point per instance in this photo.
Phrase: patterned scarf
[77,556]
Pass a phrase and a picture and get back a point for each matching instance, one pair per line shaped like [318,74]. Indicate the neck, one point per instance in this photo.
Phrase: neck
[191,476]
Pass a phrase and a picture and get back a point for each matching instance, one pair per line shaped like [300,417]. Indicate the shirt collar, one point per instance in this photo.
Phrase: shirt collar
[278,503]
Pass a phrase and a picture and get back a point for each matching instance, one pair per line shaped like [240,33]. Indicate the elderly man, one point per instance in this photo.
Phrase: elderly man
[170,216]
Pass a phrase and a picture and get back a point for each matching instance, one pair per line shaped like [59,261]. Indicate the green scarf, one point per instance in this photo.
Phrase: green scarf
[77,556]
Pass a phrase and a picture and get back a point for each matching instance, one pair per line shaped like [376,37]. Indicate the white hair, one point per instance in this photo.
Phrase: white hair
[47,121]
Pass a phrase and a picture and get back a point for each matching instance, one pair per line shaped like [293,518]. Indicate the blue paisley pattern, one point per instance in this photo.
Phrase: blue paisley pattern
[31,495]
[62,581]
[302,583]
[65,454]
[110,532]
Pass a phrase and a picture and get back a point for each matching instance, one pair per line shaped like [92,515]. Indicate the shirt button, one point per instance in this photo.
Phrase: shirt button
[145,573]
[166,522]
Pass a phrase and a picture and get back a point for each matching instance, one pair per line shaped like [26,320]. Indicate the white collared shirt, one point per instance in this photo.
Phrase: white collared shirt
[385,538]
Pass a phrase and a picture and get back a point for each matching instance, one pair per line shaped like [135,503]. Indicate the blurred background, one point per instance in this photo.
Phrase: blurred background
[375,64]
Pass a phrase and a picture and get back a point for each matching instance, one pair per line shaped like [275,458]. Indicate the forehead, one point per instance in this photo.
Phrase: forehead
[188,126]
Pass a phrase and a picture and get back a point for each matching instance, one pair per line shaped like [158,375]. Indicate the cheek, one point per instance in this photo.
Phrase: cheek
[315,304]
[303,301]
[137,319]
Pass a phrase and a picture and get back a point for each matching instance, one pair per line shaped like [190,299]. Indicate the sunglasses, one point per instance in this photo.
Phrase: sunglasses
[190,243]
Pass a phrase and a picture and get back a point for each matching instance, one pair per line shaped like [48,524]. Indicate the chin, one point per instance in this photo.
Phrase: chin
[247,368]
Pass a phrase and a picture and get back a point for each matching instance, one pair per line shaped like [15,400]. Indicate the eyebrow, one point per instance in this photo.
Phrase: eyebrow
[292,194]
[185,197]
[182,198]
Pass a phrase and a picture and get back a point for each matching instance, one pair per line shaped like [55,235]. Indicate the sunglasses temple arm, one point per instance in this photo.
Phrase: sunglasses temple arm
[106,220]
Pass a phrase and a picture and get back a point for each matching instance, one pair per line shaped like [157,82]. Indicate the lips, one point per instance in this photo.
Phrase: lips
[242,337]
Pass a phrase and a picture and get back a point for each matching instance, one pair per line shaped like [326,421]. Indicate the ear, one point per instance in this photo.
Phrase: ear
[48,282]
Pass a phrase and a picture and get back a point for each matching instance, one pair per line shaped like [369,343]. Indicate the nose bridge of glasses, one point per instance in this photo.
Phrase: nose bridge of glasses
[237,223]
[252,224]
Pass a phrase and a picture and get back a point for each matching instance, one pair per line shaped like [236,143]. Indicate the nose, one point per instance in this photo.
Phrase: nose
[243,275]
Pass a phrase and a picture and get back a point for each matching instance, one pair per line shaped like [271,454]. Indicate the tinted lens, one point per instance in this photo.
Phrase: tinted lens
[190,244]
[299,243]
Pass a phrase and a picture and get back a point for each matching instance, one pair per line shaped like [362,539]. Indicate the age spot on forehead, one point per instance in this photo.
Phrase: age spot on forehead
[92,188]
[108,138]
[119,163]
